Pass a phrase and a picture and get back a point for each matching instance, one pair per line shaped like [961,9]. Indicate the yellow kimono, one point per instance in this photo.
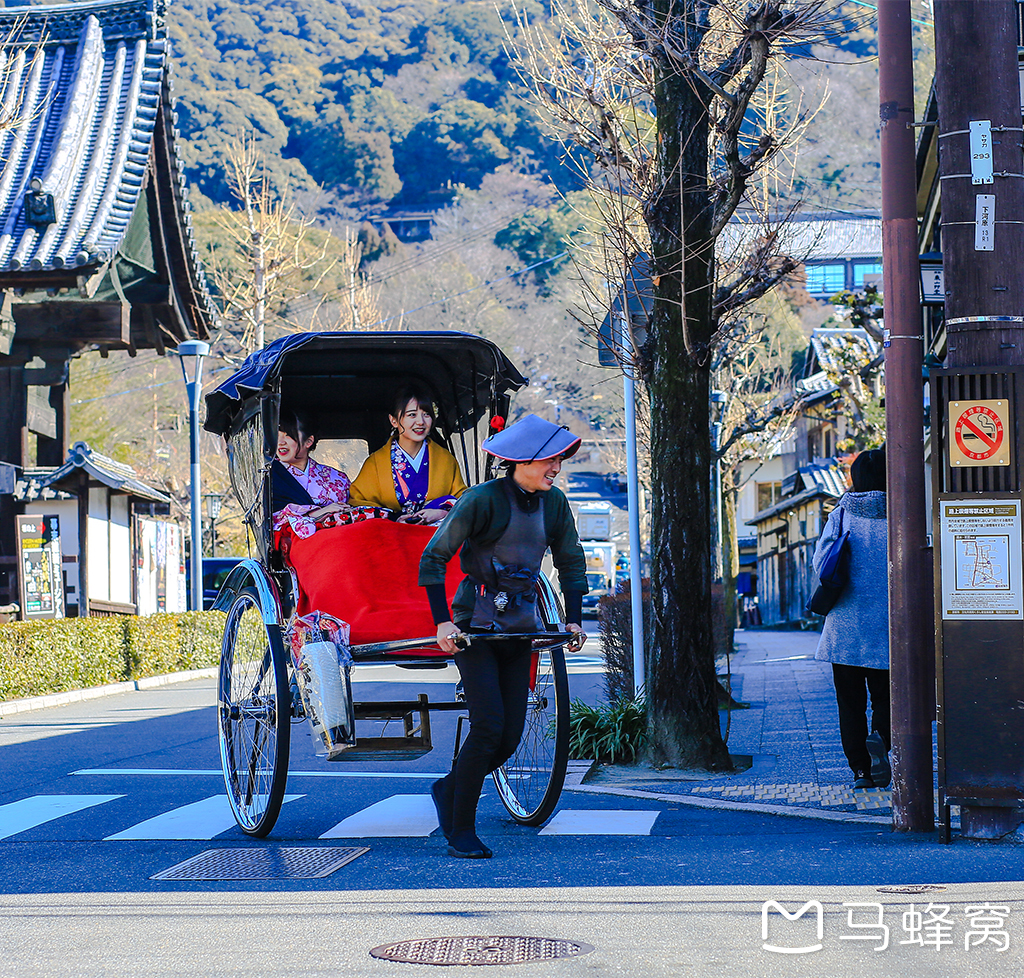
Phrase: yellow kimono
[375,484]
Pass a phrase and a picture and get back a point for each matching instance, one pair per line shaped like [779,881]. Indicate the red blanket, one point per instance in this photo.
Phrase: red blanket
[366,574]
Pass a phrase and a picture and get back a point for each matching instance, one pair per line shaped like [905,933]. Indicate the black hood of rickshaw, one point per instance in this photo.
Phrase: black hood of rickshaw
[349,378]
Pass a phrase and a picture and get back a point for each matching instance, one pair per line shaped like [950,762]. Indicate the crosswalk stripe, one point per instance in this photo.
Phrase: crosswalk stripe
[569,822]
[20,816]
[200,820]
[400,816]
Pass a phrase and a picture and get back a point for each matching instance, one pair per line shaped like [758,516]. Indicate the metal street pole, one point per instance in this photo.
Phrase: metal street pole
[192,353]
[911,621]
[624,340]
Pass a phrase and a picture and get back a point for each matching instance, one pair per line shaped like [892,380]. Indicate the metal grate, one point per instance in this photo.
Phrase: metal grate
[968,387]
[263,864]
[480,950]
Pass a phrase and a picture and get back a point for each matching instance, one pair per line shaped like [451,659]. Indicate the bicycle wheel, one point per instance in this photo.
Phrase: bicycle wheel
[253,708]
[530,781]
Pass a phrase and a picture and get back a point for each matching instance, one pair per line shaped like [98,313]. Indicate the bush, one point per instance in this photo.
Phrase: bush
[614,734]
[616,625]
[43,657]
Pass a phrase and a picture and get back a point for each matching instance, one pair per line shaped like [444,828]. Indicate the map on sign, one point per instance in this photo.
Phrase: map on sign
[982,563]
[980,558]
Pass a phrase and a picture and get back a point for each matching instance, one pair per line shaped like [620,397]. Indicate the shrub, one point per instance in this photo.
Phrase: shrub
[615,733]
[43,657]
[616,626]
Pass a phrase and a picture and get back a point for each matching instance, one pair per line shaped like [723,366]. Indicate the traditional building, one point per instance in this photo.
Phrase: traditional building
[96,243]
[100,505]
[787,533]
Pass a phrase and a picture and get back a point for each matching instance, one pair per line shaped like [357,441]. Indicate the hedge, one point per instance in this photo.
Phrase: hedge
[43,657]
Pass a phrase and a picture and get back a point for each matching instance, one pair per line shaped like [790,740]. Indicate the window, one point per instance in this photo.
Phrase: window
[826,279]
[768,493]
[862,269]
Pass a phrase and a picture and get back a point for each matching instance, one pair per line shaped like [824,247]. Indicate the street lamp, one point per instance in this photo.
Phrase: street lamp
[191,353]
[213,501]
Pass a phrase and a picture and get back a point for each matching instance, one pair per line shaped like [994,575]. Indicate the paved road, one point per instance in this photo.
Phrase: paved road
[675,890]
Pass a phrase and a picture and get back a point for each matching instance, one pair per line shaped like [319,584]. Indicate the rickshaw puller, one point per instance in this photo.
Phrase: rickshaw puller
[504,528]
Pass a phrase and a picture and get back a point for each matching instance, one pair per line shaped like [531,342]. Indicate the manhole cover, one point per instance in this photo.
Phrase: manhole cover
[263,864]
[480,950]
[912,888]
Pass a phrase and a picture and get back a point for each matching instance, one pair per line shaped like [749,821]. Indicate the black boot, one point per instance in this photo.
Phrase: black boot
[465,844]
[442,791]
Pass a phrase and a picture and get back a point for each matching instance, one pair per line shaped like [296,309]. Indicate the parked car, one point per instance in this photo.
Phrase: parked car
[215,573]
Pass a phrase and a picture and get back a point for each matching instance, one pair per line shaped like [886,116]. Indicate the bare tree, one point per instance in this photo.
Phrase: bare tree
[675,115]
[286,261]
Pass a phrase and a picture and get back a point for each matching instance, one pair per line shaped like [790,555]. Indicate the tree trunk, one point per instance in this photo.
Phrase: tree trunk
[683,709]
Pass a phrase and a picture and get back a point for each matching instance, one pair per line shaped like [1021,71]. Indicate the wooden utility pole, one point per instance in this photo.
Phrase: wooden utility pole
[980,629]
[910,598]
[977,79]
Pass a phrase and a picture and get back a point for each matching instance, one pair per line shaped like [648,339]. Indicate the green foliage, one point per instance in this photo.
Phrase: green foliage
[370,100]
[615,734]
[542,232]
[37,658]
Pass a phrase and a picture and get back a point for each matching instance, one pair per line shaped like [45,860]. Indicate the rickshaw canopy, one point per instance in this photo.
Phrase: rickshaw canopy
[348,380]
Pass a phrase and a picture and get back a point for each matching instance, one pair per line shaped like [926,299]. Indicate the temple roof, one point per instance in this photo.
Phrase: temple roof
[61,483]
[94,139]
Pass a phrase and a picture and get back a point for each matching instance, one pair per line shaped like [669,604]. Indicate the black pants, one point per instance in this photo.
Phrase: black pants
[853,683]
[496,680]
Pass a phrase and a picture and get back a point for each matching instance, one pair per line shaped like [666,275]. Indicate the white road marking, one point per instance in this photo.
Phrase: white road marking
[20,816]
[400,816]
[200,820]
[158,771]
[569,822]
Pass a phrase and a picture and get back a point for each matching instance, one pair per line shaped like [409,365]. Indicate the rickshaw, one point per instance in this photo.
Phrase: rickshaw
[347,379]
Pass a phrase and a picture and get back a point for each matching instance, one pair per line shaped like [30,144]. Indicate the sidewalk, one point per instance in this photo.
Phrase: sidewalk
[790,733]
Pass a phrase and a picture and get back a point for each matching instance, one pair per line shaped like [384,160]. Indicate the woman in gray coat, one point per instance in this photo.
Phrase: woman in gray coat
[855,637]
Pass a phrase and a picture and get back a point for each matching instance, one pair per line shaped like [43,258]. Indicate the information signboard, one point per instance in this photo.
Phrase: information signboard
[981,559]
[40,578]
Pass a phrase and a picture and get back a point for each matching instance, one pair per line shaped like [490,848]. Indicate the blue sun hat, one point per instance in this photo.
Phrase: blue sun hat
[531,438]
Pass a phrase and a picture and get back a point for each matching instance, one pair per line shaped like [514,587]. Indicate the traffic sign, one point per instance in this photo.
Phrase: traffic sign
[980,433]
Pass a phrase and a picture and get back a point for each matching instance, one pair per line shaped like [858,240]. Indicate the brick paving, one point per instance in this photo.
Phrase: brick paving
[791,732]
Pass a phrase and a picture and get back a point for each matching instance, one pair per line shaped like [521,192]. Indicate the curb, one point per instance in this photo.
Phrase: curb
[12,707]
[735,806]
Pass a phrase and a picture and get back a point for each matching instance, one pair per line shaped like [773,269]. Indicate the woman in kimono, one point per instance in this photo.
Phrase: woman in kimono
[300,480]
[503,527]
[411,474]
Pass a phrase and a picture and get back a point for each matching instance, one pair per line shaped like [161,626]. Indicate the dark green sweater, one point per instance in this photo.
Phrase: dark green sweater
[482,515]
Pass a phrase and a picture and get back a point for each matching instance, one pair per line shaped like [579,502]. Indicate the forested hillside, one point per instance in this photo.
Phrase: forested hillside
[375,102]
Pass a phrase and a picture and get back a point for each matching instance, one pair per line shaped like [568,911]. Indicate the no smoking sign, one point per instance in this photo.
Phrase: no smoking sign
[980,433]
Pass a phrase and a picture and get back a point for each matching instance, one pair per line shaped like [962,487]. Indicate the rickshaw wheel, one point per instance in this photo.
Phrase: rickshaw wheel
[530,782]
[253,709]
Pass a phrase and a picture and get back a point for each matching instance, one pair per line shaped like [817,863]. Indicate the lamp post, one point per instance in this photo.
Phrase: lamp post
[191,353]
[718,400]
[213,501]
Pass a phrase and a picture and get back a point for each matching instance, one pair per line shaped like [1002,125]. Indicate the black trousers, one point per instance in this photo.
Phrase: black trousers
[496,680]
[853,683]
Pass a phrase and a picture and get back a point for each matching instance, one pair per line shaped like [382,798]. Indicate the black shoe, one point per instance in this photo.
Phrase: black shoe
[466,845]
[443,805]
[881,769]
[862,780]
